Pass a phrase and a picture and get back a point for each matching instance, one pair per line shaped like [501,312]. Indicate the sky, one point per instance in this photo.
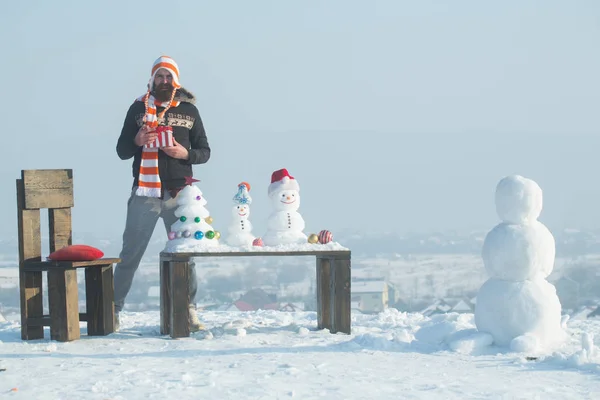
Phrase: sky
[396,116]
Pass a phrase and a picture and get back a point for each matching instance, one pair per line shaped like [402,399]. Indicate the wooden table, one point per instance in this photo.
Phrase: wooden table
[333,287]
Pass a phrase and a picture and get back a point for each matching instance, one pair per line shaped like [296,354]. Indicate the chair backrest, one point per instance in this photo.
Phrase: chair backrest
[38,189]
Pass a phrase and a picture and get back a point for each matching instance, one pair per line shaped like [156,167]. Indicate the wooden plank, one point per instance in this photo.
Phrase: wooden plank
[60,228]
[45,320]
[183,256]
[323,293]
[39,321]
[100,306]
[48,188]
[165,298]
[30,283]
[180,299]
[49,265]
[340,295]
[63,302]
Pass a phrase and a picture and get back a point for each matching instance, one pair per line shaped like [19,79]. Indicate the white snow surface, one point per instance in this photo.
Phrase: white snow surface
[518,252]
[280,355]
[201,247]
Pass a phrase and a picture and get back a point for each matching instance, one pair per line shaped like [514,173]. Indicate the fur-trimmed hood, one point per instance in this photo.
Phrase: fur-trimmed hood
[185,95]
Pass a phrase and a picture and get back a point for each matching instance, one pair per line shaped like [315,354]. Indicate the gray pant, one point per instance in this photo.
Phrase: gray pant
[142,215]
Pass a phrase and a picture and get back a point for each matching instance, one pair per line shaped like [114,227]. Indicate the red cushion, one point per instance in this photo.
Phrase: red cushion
[76,252]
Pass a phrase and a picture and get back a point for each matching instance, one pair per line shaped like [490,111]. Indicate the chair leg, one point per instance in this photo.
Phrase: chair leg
[31,303]
[63,303]
[99,300]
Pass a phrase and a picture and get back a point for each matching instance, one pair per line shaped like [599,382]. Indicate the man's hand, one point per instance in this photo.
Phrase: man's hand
[176,151]
[145,136]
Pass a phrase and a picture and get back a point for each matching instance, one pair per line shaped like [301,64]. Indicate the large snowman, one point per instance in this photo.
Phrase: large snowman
[240,228]
[517,305]
[285,225]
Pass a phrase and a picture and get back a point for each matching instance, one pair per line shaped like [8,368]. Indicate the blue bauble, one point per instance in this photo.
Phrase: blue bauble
[199,235]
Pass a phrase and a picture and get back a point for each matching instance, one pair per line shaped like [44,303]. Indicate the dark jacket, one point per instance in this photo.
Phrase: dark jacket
[188,130]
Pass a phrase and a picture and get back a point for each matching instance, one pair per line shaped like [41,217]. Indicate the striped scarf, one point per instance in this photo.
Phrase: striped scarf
[149,184]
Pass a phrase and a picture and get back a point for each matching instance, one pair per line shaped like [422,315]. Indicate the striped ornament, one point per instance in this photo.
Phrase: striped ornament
[325,237]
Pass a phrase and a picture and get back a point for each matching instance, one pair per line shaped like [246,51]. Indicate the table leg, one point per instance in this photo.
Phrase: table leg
[323,293]
[99,305]
[340,295]
[165,298]
[180,298]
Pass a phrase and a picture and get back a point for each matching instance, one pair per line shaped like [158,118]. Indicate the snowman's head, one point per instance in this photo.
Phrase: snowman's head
[285,200]
[518,200]
[240,211]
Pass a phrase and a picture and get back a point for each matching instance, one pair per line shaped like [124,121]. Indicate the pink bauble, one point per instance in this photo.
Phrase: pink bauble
[258,242]
[172,235]
[325,237]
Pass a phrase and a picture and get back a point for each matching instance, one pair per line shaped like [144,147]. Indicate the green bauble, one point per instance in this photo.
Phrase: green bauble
[182,218]
[197,219]
[210,235]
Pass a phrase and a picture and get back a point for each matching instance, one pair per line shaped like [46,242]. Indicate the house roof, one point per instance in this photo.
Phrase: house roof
[595,313]
[461,306]
[256,299]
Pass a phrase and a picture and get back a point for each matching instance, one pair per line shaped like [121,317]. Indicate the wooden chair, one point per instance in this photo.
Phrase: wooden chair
[53,189]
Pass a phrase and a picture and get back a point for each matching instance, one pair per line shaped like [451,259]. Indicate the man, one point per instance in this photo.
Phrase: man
[158,173]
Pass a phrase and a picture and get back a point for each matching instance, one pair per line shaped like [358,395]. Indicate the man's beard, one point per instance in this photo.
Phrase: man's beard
[162,92]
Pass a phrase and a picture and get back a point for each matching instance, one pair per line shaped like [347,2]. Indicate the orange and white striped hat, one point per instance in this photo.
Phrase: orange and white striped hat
[170,65]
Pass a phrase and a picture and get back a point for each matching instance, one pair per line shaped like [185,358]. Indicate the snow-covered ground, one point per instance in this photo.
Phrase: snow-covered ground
[277,355]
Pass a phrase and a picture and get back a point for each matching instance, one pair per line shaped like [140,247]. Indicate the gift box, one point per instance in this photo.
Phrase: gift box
[164,139]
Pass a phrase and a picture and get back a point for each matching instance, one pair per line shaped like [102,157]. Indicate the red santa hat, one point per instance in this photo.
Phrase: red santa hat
[282,180]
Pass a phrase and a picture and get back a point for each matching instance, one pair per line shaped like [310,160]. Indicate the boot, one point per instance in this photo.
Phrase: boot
[116,322]
[195,324]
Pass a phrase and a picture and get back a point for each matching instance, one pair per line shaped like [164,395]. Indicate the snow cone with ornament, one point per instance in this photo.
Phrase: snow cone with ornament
[192,231]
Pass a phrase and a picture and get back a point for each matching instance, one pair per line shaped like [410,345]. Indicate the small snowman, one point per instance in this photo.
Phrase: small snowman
[285,225]
[517,306]
[240,228]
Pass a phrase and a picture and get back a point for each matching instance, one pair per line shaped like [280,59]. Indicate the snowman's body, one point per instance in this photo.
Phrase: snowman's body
[517,306]
[285,224]
[240,228]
